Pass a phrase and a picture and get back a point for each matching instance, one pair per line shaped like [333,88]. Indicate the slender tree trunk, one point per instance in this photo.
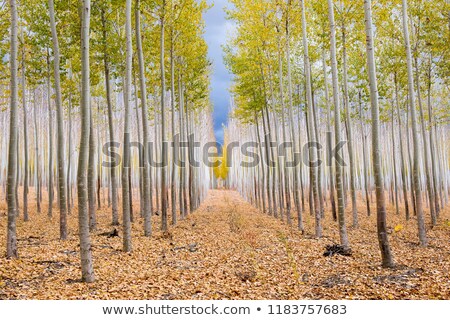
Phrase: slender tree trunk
[263,177]
[410,163]
[164,226]
[337,127]
[36,151]
[272,166]
[50,142]
[309,101]
[319,167]
[126,163]
[266,152]
[349,129]
[394,164]
[114,194]
[435,176]
[386,255]
[287,191]
[87,271]
[402,158]
[173,191]
[11,240]
[182,191]
[365,165]
[416,148]
[140,151]
[91,175]
[147,187]
[99,164]
[16,193]
[292,129]
[59,127]
[329,137]
[69,159]
[426,153]
[279,171]
[25,137]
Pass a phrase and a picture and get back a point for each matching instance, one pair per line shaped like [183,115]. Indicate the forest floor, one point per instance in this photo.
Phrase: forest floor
[227,250]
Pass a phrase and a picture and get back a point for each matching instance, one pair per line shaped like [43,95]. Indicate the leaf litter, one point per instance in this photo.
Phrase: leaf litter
[227,250]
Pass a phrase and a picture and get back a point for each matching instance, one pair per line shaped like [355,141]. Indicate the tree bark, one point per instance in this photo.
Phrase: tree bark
[292,130]
[416,147]
[402,157]
[25,136]
[50,141]
[36,150]
[337,127]
[114,195]
[164,226]
[426,153]
[329,137]
[59,128]
[365,165]
[309,101]
[11,240]
[147,187]
[87,271]
[126,201]
[173,191]
[349,128]
[386,255]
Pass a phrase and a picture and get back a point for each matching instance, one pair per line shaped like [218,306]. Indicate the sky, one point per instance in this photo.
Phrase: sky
[216,31]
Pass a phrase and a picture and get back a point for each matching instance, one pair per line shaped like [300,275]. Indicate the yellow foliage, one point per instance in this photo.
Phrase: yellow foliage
[398,228]
[221,171]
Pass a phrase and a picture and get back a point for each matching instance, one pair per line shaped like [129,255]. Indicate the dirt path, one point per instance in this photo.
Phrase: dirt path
[225,250]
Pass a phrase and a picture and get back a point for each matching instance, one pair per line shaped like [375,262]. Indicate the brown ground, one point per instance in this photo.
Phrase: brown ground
[226,250]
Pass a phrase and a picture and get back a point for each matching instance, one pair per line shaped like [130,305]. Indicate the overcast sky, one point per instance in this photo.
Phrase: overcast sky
[217,29]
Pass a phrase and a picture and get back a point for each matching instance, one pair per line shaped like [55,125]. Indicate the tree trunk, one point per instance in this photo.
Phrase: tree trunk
[263,177]
[91,175]
[69,159]
[349,129]
[87,271]
[59,128]
[402,158]
[164,226]
[435,175]
[173,191]
[50,141]
[386,255]
[114,195]
[365,165]
[337,127]
[147,187]
[292,129]
[11,241]
[394,165]
[286,179]
[309,101]
[25,137]
[182,191]
[126,201]
[36,151]
[416,147]
[329,137]
[426,154]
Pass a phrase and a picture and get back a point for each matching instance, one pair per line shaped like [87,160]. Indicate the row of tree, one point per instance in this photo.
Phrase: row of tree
[82,67]
[326,72]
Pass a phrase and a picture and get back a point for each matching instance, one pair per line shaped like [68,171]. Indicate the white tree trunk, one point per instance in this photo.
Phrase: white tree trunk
[87,271]
[383,240]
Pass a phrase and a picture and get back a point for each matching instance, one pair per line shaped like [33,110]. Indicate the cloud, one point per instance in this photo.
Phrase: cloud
[216,32]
